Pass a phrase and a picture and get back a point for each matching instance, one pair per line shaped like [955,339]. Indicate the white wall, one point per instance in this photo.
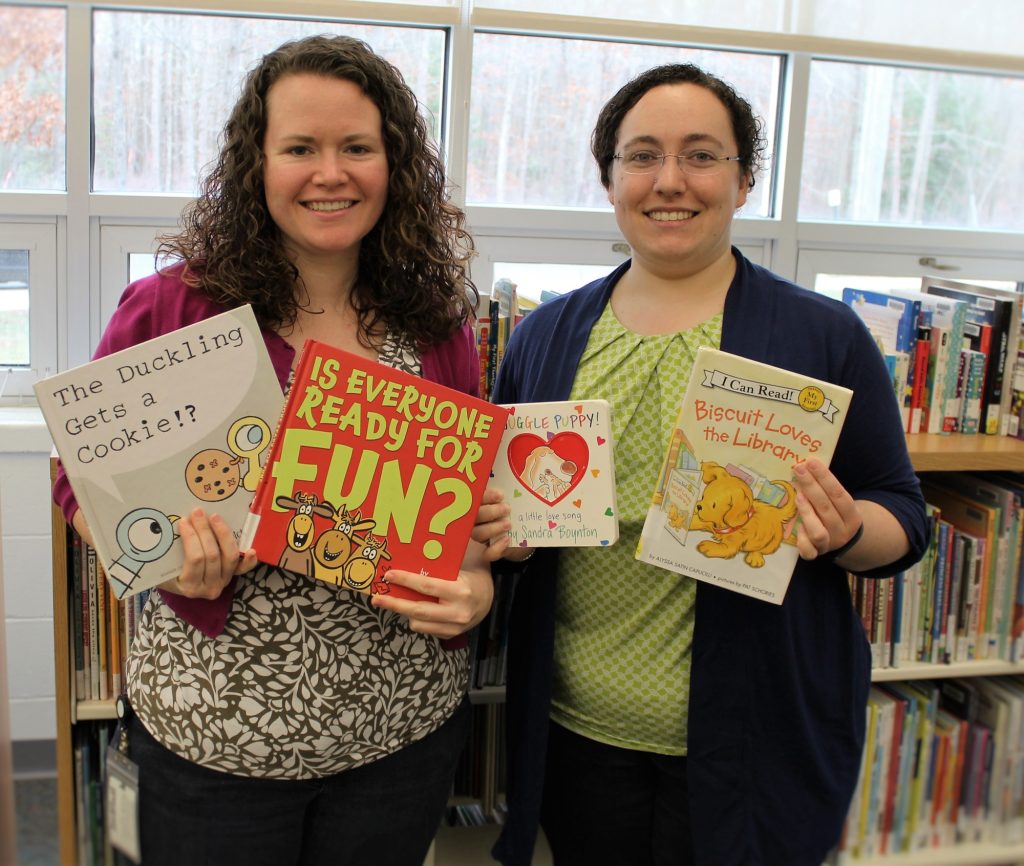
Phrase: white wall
[28,590]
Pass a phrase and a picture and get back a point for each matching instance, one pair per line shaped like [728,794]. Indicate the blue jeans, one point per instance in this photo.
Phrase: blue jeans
[384,813]
[606,806]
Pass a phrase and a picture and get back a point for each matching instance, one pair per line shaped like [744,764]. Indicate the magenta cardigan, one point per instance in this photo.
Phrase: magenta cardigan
[162,303]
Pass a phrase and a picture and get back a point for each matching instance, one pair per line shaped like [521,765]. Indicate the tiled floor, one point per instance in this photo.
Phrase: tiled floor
[35,810]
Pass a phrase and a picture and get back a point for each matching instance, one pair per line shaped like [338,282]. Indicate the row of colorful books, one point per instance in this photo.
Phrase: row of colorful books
[505,308]
[943,765]
[964,600]
[102,626]
[952,351]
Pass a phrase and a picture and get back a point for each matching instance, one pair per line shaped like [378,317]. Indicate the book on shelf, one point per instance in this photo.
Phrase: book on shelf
[973,385]
[724,509]
[1000,312]
[555,466]
[148,433]
[892,321]
[371,468]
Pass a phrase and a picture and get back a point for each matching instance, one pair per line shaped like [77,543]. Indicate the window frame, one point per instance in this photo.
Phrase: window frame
[39,239]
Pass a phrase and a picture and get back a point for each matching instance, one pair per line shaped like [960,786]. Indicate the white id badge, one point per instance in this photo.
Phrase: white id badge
[122,814]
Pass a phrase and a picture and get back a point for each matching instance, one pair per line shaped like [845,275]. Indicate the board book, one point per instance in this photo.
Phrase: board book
[149,433]
[372,468]
[556,469]
[724,510]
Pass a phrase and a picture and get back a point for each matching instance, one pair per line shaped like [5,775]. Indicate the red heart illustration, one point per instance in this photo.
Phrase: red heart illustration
[550,469]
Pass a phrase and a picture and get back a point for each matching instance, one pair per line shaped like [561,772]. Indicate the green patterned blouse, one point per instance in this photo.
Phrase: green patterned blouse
[624,629]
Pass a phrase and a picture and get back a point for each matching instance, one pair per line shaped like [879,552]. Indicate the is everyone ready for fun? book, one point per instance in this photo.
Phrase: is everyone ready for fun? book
[372,468]
[724,510]
[556,470]
[149,433]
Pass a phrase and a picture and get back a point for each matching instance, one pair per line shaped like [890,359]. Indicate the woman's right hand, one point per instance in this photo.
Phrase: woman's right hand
[212,557]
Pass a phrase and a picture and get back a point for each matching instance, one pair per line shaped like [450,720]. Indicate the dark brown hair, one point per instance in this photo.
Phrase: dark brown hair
[412,264]
[746,127]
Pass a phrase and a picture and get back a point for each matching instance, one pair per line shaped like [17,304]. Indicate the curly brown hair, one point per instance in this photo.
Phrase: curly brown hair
[412,265]
[746,126]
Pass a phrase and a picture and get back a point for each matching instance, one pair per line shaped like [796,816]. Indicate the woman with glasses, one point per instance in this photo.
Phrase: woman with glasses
[653,719]
[279,719]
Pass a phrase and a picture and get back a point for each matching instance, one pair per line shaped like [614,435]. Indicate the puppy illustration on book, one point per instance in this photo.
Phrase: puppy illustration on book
[737,521]
[548,474]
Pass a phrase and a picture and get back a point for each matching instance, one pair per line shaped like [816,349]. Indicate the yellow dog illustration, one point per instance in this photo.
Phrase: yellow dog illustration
[737,521]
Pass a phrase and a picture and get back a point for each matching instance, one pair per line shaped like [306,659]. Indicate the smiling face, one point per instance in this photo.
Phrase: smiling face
[325,168]
[677,224]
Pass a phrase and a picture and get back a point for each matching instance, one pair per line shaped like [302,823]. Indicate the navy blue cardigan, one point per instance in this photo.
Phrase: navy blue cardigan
[777,693]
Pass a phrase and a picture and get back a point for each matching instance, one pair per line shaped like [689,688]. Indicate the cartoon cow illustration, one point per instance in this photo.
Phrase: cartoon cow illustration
[361,568]
[299,534]
[334,546]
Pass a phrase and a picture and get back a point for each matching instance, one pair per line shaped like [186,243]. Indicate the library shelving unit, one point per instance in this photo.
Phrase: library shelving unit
[930,453]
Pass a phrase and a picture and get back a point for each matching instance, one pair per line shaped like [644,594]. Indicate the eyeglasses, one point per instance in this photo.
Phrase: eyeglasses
[693,162]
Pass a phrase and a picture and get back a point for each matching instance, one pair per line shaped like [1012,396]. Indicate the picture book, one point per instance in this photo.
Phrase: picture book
[371,468]
[556,469]
[724,510]
[148,433]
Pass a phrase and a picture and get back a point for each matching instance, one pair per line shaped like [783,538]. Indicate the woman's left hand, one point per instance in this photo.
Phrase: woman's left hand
[829,516]
[460,605]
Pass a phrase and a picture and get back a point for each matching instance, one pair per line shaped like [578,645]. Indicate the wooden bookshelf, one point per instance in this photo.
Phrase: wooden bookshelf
[933,452]
[454,847]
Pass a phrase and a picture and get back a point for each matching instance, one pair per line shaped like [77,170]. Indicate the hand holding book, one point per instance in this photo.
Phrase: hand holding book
[829,517]
[458,604]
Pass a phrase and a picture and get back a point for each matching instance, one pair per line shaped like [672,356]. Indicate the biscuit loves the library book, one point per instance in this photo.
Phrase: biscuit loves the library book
[371,468]
[148,433]
[724,510]
[556,470]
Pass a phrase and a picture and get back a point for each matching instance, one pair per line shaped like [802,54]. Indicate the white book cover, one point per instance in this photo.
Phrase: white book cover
[556,468]
[724,510]
[149,433]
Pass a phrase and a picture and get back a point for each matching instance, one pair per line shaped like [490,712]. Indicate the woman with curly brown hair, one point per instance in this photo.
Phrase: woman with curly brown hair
[278,719]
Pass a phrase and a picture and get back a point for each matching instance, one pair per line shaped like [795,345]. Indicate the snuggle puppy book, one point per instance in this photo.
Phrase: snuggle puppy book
[148,433]
[724,510]
[556,469]
[372,468]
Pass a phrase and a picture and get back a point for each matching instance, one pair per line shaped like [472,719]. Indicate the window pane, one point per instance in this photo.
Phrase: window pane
[535,101]
[32,62]
[927,23]
[165,84]
[14,322]
[913,147]
[769,15]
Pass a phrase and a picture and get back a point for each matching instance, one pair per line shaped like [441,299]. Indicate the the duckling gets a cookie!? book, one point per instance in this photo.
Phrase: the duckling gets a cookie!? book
[724,510]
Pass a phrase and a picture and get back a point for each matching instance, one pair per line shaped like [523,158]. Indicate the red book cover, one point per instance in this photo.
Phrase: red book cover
[919,395]
[371,468]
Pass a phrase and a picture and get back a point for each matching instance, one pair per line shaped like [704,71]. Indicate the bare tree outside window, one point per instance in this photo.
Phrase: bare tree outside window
[904,146]
[165,83]
[535,101]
